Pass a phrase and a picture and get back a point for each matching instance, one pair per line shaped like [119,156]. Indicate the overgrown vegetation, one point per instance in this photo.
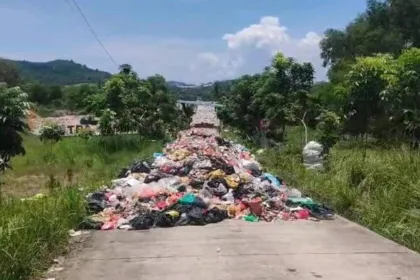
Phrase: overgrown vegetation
[93,162]
[366,116]
[380,191]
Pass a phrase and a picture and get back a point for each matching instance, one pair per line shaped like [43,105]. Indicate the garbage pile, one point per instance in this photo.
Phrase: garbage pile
[198,179]
[205,116]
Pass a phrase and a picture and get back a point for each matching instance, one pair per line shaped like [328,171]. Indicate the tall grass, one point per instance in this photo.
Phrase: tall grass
[381,191]
[73,161]
[33,232]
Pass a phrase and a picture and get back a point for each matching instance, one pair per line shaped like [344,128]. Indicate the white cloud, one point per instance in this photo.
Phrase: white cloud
[267,33]
[244,51]
[254,46]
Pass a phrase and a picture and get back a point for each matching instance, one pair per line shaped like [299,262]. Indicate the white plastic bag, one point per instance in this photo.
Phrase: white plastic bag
[251,165]
[312,156]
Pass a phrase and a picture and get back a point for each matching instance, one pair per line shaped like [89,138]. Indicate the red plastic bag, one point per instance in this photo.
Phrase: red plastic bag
[302,214]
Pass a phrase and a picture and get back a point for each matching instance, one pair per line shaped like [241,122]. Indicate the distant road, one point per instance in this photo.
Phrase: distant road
[199,102]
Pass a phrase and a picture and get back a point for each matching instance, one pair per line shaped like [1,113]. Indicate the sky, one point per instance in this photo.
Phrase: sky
[193,41]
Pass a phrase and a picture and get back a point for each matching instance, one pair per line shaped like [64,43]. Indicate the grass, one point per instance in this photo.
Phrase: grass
[33,232]
[381,191]
[73,161]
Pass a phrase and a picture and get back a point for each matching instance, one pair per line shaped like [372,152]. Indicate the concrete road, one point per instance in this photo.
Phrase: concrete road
[329,250]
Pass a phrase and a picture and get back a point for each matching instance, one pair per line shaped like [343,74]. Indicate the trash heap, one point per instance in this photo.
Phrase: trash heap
[198,179]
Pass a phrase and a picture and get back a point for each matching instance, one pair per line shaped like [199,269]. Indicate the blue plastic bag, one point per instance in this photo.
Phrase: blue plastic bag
[157,155]
[273,179]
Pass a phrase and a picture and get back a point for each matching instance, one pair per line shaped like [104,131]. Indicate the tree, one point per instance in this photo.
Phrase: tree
[128,103]
[55,93]
[328,130]
[13,107]
[9,73]
[78,97]
[237,108]
[283,96]
[364,84]
[404,15]
[372,32]
[402,95]
[38,93]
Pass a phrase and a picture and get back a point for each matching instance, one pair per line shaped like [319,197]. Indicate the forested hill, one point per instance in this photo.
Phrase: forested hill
[59,72]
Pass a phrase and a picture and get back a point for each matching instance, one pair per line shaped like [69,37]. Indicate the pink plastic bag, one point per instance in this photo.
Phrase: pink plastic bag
[302,214]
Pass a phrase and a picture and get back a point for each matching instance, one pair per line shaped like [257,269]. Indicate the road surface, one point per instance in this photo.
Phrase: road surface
[328,250]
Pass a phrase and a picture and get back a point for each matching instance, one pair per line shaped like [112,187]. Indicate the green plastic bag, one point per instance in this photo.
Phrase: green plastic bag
[187,199]
[251,218]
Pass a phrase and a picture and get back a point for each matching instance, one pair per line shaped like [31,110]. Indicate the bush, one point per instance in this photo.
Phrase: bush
[52,132]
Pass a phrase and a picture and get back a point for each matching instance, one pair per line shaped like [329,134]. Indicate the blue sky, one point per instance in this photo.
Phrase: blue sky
[186,40]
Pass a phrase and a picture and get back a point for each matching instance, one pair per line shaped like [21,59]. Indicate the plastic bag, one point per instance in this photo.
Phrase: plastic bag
[312,156]
[232,181]
[217,174]
[251,165]
[273,179]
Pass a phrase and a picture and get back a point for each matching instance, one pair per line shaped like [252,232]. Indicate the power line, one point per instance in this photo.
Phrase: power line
[92,30]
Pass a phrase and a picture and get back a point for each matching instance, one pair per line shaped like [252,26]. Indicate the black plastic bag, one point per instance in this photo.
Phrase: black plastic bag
[140,167]
[215,215]
[96,202]
[142,222]
[88,224]
[151,178]
[196,184]
[165,220]
[196,217]
[222,142]
[218,187]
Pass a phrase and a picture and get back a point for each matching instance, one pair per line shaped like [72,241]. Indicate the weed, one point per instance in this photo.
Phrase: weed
[381,192]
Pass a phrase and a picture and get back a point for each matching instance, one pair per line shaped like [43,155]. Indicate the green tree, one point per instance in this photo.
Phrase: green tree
[402,95]
[364,84]
[9,73]
[283,95]
[141,105]
[38,93]
[372,32]
[328,130]
[13,107]
[55,93]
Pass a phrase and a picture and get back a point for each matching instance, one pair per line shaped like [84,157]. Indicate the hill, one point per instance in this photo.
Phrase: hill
[69,73]
[204,92]
[59,72]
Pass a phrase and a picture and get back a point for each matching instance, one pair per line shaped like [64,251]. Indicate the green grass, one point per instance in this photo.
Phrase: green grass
[33,232]
[73,161]
[381,191]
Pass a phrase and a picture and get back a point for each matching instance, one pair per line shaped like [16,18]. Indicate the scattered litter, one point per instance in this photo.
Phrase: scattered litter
[55,269]
[59,260]
[74,233]
[35,197]
[198,179]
